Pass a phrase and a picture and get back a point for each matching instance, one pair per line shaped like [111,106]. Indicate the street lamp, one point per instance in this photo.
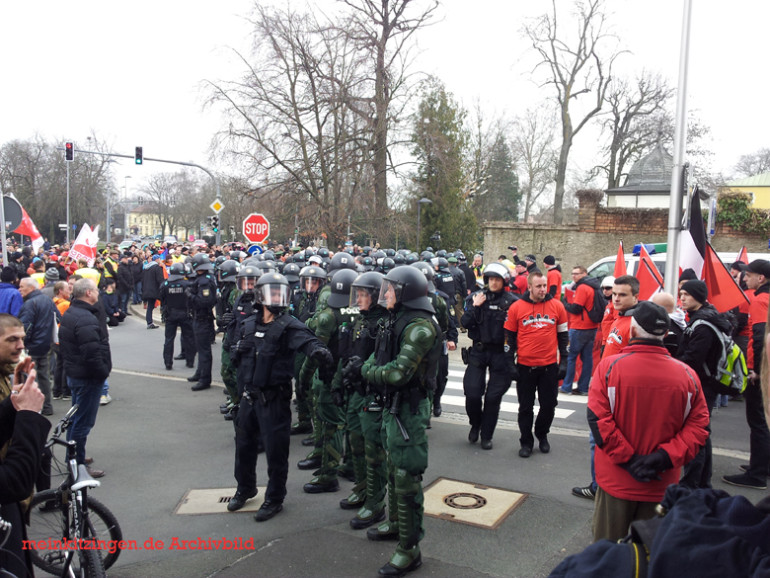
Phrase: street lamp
[420,203]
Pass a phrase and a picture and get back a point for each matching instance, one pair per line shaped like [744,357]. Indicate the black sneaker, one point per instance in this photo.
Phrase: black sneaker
[745,481]
[588,492]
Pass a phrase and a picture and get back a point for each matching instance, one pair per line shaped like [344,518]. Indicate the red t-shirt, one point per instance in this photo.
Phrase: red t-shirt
[554,279]
[619,335]
[536,326]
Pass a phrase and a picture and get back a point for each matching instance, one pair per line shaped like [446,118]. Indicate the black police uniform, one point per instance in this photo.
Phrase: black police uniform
[265,407]
[176,312]
[485,328]
[203,297]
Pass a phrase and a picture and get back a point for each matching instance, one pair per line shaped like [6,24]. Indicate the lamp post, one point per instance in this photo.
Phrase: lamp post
[420,203]
[125,204]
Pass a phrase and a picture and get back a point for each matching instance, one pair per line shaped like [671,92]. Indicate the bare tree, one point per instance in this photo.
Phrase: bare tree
[633,122]
[754,163]
[168,194]
[290,125]
[577,66]
[534,155]
[383,28]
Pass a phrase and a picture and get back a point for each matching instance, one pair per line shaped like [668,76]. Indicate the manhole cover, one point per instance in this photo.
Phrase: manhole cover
[469,503]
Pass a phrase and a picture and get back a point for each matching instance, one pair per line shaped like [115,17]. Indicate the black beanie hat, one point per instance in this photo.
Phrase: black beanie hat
[549,260]
[697,289]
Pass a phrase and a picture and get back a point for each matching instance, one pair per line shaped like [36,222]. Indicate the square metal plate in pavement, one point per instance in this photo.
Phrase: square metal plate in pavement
[214,501]
[469,503]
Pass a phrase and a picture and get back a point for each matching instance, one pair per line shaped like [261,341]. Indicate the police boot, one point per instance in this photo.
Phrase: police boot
[356,498]
[301,427]
[407,556]
[312,461]
[373,510]
[388,530]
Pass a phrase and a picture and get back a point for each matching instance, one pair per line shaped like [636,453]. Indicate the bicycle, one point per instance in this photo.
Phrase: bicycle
[67,516]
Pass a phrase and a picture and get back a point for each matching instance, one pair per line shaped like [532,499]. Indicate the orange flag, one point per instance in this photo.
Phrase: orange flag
[620,263]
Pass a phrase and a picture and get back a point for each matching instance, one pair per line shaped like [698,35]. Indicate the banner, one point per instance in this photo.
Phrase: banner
[28,228]
[84,246]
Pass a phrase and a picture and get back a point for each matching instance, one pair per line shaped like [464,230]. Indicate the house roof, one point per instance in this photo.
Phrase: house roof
[650,174]
[761,180]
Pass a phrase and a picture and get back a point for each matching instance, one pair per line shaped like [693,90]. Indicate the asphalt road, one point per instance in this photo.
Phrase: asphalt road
[158,439]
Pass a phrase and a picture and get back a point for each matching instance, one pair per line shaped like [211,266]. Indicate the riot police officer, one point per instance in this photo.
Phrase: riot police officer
[406,354]
[364,408]
[202,294]
[176,313]
[484,317]
[270,338]
[332,325]
[227,272]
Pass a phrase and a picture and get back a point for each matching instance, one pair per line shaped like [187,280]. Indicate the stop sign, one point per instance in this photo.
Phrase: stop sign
[256,228]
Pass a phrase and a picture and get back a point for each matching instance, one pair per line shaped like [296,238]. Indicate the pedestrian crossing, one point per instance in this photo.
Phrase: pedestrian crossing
[569,405]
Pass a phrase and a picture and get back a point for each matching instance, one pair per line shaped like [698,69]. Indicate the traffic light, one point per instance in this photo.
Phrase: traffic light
[69,151]
[210,220]
[138,158]
[215,223]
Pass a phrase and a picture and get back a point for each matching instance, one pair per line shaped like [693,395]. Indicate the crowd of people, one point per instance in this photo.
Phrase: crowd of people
[359,338]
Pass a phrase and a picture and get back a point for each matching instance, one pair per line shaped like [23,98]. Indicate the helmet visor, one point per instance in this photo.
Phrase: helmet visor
[363,297]
[246,283]
[390,294]
[274,295]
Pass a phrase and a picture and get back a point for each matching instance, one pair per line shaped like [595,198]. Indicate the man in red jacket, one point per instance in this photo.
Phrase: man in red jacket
[648,416]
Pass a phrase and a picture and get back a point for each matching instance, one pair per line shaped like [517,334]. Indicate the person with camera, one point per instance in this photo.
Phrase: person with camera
[483,318]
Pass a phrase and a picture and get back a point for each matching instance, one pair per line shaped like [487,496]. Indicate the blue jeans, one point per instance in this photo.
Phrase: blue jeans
[581,342]
[123,301]
[86,394]
[137,292]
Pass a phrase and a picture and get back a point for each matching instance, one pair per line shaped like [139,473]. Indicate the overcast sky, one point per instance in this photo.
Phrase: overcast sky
[133,71]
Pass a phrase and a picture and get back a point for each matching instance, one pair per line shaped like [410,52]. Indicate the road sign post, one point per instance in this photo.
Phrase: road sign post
[256,228]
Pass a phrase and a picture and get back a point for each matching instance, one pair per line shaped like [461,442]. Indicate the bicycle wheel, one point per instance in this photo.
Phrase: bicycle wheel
[51,526]
[91,564]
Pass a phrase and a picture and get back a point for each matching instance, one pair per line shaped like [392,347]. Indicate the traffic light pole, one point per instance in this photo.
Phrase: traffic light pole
[144,158]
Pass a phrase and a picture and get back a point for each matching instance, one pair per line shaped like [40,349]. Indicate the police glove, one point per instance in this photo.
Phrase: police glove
[322,357]
[242,346]
[337,398]
[648,467]
[352,369]
[188,291]
[225,319]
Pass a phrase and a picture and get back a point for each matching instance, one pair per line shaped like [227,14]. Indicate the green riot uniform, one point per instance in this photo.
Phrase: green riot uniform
[227,369]
[303,307]
[405,359]
[332,327]
[305,383]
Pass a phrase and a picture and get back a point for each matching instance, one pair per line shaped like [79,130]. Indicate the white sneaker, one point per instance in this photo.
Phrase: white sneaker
[105,399]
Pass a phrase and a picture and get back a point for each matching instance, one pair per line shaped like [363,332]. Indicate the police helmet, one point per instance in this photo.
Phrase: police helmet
[268,256]
[273,291]
[427,270]
[323,252]
[427,256]
[387,264]
[398,259]
[246,278]
[253,261]
[341,261]
[443,265]
[371,282]
[366,250]
[176,272]
[368,263]
[379,254]
[496,270]
[228,270]
[266,266]
[219,260]
[411,258]
[408,287]
[340,284]
[390,253]
[291,272]
[311,272]
[201,262]
[441,253]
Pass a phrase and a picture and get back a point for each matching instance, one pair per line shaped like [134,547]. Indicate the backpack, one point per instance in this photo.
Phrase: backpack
[731,371]
[596,314]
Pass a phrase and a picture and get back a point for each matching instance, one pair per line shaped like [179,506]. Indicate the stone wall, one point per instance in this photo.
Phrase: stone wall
[597,235]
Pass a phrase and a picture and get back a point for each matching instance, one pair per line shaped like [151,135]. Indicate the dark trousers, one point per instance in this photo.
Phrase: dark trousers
[759,435]
[271,421]
[441,378]
[203,328]
[484,415]
[543,381]
[697,473]
[181,320]
[86,394]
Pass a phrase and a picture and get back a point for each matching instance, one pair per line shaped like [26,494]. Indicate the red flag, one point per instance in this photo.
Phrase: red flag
[724,292]
[650,279]
[743,256]
[620,263]
[28,228]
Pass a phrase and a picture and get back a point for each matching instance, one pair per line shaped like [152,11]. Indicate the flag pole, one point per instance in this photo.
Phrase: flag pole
[677,177]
